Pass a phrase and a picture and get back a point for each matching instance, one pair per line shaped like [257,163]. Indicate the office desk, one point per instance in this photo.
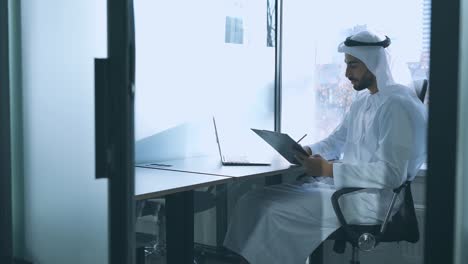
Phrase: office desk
[211,165]
[177,183]
[151,183]
[177,188]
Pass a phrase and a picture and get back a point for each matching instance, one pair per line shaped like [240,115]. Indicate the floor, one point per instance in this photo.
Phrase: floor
[207,259]
[203,255]
[151,260]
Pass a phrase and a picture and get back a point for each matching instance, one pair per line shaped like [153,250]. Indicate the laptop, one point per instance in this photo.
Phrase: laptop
[282,143]
[234,160]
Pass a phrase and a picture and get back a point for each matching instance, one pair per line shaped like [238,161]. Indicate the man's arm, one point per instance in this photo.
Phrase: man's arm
[317,164]
[388,164]
[331,147]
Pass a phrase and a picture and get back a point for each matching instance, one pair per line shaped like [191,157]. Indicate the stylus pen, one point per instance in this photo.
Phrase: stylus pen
[302,138]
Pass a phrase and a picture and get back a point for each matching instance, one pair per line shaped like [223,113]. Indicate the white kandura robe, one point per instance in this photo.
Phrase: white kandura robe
[381,140]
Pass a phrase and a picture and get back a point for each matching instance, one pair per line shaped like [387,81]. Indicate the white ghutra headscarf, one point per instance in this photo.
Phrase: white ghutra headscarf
[392,81]
[373,50]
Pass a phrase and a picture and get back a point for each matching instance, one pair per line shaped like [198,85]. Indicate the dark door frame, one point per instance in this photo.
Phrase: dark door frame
[120,46]
[442,133]
[6,225]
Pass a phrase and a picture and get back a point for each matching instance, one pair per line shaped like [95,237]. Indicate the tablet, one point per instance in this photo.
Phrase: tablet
[282,143]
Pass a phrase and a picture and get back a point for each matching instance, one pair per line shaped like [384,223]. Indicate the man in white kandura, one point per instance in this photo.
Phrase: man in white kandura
[380,144]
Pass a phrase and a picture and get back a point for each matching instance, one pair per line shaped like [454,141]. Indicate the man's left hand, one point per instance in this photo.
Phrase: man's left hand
[315,165]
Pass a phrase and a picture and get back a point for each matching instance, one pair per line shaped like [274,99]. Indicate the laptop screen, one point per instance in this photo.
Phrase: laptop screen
[217,139]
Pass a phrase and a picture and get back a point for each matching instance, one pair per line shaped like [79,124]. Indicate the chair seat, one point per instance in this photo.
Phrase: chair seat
[402,227]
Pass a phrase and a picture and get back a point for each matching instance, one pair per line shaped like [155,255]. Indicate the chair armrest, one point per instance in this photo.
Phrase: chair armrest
[339,213]
[350,234]
[336,206]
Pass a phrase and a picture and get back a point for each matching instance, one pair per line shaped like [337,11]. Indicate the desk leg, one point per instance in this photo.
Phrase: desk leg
[179,224]
[221,214]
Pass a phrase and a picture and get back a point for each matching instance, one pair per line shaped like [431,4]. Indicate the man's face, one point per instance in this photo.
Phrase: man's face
[358,74]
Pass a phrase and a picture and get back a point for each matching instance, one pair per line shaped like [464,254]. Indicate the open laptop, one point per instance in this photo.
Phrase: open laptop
[234,160]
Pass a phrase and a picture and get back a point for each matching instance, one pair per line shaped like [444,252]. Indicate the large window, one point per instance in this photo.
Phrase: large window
[316,93]
[196,59]
[193,63]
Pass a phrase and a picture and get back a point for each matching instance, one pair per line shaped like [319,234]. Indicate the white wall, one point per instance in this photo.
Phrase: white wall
[65,207]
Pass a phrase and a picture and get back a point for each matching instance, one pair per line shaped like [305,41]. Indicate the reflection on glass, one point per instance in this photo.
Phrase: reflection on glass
[271,23]
[198,59]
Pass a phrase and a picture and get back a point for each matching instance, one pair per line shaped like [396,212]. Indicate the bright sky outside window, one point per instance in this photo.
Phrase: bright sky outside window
[198,59]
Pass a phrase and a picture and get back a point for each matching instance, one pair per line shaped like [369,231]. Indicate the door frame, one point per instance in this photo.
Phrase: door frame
[120,130]
[442,132]
[6,223]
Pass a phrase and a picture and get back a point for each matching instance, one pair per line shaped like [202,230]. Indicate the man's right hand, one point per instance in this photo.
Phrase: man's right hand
[315,165]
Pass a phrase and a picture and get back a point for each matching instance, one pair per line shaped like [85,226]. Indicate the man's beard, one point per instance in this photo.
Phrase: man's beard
[365,82]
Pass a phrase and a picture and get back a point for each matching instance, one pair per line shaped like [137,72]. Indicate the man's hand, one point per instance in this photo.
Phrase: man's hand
[307,149]
[315,165]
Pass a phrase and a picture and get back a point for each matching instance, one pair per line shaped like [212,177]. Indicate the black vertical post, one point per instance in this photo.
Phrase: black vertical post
[179,224]
[221,214]
[6,236]
[442,134]
[121,136]
[276,179]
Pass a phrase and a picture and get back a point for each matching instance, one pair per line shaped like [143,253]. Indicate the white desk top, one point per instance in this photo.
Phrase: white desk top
[193,173]
[152,183]
[212,166]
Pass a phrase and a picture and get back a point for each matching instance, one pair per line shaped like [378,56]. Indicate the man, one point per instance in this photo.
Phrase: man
[380,144]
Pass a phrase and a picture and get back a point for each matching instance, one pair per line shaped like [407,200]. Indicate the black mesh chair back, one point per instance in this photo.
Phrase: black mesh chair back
[404,224]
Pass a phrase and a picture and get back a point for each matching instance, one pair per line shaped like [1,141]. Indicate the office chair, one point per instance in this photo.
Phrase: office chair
[403,226]
[152,212]
[214,196]
[153,243]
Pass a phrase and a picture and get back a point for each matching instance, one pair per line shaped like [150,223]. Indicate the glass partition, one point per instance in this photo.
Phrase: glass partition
[196,60]
[199,59]
[65,208]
